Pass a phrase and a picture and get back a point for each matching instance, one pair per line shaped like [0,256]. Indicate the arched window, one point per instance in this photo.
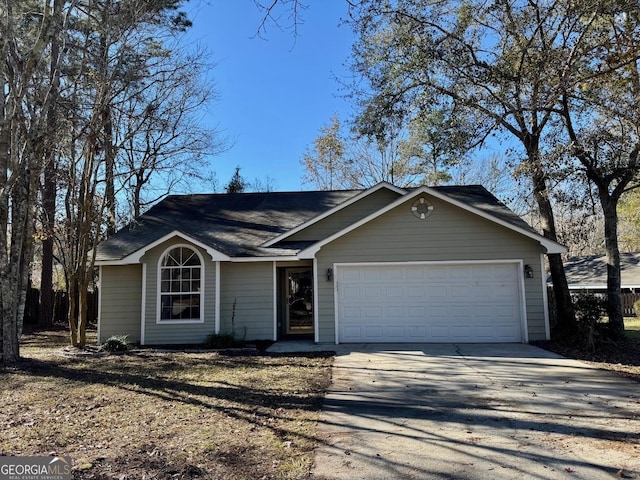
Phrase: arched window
[181,285]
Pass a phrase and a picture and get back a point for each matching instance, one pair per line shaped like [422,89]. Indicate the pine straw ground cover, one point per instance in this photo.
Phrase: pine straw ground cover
[164,415]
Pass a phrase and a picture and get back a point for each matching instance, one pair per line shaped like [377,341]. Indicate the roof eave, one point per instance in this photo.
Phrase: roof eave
[136,256]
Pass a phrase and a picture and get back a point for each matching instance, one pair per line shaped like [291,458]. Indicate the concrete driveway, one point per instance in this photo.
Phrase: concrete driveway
[475,412]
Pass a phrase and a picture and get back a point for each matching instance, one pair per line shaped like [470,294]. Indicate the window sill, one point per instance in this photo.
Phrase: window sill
[177,322]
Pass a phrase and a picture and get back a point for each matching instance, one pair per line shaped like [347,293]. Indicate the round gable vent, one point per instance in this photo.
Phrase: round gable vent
[422,208]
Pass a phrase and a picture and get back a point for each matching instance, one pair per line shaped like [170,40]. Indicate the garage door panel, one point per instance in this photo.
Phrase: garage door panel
[416,275]
[415,291]
[435,273]
[351,275]
[429,303]
[488,312]
[351,292]
[459,273]
[392,274]
[370,293]
[394,292]
[351,313]
[461,333]
[459,291]
[395,333]
[417,331]
[436,291]
[419,312]
[373,311]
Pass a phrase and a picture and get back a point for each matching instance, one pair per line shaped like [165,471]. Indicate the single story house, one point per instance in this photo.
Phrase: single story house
[589,273]
[384,264]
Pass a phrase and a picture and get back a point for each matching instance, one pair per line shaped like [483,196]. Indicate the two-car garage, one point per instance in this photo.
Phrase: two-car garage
[430,302]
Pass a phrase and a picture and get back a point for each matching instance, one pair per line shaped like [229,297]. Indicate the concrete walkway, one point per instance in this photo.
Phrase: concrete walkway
[500,411]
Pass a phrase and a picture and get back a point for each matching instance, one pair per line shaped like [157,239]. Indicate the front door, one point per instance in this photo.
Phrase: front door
[299,304]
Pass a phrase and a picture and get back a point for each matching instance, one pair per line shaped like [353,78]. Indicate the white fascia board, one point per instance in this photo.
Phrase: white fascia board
[135,257]
[352,200]
[289,258]
[549,245]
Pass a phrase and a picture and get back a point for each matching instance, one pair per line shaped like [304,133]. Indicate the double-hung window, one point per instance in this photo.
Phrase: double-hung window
[181,286]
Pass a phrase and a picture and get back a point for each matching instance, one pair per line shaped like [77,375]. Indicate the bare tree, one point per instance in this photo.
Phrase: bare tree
[325,164]
[130,100]
[22,46]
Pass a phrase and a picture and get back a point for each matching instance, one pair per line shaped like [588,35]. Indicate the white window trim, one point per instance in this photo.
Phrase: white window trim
[159,321]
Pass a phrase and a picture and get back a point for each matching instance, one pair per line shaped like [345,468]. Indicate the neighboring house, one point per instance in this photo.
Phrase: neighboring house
[588,274]
[430,264]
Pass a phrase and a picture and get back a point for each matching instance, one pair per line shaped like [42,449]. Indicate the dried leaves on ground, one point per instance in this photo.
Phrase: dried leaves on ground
[178,415]
[621,356]
[161,415]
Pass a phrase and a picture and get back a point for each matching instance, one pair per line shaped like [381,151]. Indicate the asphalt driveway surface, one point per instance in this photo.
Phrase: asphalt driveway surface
[475,412]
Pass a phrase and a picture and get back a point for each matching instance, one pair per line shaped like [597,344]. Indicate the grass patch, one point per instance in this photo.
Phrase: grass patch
[157,415]
[632,327]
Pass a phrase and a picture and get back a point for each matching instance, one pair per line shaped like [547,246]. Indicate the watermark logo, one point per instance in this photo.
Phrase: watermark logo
[35,468]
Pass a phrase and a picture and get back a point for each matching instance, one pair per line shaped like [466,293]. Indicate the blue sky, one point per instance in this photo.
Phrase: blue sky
[276,92]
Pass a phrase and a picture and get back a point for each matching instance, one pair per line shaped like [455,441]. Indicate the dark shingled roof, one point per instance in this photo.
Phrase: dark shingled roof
[234,224]
[238,224]
[591,271]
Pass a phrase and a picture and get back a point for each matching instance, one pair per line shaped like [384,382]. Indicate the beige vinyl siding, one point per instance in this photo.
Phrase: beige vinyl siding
[251,286]
[449,234]
[120,292]
[346,216]
[178,333]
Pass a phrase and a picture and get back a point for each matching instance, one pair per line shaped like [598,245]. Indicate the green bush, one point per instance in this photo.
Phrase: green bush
[590,309]
[220,340]
[636,308]
[116,343]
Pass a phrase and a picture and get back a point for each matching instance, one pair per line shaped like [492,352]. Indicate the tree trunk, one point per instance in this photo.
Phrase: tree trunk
[50,174]
[72,312]
[566,318]
[5,291]
[22,226]
[614,293]
[82,315]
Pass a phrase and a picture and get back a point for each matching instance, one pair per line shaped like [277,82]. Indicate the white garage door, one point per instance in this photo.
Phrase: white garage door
[429,303]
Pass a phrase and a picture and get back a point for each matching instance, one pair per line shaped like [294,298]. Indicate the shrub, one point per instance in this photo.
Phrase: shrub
[636,308]
[589,310]
[116,343]
[220,340]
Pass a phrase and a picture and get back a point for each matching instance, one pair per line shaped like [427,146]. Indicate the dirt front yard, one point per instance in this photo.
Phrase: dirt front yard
[177,415]
[164,415]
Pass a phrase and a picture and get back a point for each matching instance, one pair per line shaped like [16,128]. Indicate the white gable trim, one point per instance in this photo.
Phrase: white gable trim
[352,200]
[138,254]
[549,245]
